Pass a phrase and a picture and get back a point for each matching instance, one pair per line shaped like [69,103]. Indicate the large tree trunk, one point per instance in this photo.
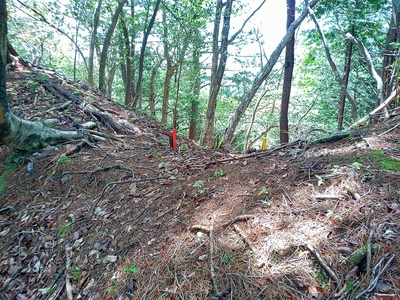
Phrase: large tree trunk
[287,76]
[93,38]
[138,94]
[106,45]
[347,67]
[219,58]
[244,104]
[15,132]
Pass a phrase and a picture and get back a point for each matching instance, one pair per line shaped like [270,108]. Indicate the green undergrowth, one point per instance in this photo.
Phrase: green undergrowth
[378,157]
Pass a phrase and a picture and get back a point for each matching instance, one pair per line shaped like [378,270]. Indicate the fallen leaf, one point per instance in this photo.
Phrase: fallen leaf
[352,274]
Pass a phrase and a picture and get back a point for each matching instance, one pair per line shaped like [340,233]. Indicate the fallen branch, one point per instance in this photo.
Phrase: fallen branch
[387,102]
[59,107]
[323,263]
[390,130]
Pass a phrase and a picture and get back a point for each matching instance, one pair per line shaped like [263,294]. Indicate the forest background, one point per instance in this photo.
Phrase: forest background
[216,70]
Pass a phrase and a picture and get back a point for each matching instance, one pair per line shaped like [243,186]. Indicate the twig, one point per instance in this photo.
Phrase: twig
[374,281]
[369,251]
[238,218]
[212,269]
[294,290]
[323,263]
[327,197]
[164,213]
[390,130]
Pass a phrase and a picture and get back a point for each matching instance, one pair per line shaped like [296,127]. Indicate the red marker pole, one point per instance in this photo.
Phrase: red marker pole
[172,139]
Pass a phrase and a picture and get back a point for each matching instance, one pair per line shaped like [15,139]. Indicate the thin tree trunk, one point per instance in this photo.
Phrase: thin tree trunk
[253,117]
[244,104]
[194,105]
[338,76]
[152,83]
[347,68]
[287,75]
[93,38]
[389,57]
[219,58]
[127,78]
[138,94]
[106,45]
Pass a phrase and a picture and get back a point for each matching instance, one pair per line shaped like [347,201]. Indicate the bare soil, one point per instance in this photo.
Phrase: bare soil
[130,218]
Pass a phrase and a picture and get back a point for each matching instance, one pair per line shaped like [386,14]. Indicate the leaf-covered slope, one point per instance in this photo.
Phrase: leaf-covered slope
[128,218]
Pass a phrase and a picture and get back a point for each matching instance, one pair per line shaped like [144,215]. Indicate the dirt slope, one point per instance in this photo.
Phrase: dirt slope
[131,219]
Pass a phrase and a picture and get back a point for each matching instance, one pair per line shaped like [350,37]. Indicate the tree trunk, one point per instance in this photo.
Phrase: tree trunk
[338,76]
[347,67]
[219,58]
[244,104]
[194,100]
[167,85]
[14,132]
[127,78]
[152,83]
[93,38]
[106,45]
[287,76]
[389,56]
[138,94]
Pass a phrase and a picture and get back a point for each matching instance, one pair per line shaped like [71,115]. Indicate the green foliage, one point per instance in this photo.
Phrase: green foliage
[63,159]
[132,269]
[76,273]
[64,230]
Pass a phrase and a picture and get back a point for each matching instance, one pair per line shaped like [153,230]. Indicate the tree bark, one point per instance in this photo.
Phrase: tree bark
[152,83]
[244,104]
[389,56]
[194,100]
[93,38]
[127,70]
[347,67]
[338,76]
[15,132]
[287,75]
[219,58]
[106,45]
[146,34]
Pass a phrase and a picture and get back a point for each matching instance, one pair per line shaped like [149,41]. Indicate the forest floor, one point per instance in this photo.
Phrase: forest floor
[130,218]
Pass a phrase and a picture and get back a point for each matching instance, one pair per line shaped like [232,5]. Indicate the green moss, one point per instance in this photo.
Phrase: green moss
[390,164]
[360,254]
[64,230]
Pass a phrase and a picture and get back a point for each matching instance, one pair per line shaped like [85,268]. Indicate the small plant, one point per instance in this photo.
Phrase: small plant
[76,273]
[64,230]
[330,213]
[217,173]
[199,184]
[114,285]
[63,159]
[357,165]
[263,191]
[320,180]
[132,269]
[225,259]
[183,147]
